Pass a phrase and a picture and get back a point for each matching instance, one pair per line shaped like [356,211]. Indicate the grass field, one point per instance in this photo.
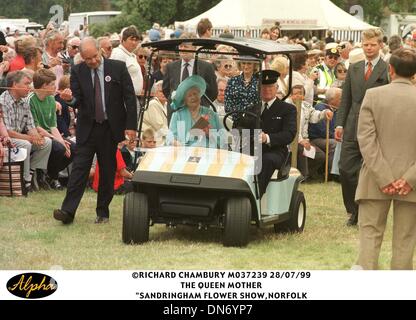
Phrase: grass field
[30,239]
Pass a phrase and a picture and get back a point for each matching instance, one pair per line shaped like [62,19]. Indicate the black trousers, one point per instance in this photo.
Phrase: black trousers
[100,142]
[309,167]
[349,168]
[57,159]
[271,161]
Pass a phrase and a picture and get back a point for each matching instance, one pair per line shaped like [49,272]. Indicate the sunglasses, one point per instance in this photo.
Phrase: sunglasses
[342,71]
[74,47]
[141,56]
[333,57]
[228,66]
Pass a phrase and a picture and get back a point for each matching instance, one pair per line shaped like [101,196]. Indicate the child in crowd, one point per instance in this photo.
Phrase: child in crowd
[122,183]
[43,109]
[64,116]
[131,156]
[127,160]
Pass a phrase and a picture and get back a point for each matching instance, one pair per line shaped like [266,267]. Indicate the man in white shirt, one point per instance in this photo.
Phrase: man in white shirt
[130,39]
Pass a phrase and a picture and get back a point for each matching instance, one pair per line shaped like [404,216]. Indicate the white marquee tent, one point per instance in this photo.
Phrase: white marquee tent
[241,15]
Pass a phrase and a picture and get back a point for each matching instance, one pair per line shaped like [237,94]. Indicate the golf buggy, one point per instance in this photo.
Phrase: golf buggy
[208,187]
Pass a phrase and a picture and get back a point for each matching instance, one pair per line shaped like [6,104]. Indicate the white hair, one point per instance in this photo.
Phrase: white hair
[88,40]
[156,86]
[220,79]
[331,93]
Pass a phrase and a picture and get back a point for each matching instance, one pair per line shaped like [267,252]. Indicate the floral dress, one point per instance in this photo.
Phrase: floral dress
[240,96]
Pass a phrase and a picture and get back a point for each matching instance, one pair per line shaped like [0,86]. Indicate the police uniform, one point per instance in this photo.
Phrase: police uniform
[278,122]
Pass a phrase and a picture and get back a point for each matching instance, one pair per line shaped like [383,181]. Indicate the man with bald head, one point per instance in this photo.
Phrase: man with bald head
[107,113]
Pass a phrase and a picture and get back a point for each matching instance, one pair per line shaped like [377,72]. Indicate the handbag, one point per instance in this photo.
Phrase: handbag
[11,176]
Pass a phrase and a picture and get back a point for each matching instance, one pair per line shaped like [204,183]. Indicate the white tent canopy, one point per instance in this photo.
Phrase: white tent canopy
[292,15]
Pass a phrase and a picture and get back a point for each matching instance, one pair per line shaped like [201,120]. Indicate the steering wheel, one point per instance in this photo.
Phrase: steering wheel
[227,115]
[247,120]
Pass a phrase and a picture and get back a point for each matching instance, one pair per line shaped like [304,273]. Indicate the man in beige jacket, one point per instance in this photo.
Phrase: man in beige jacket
[386,135]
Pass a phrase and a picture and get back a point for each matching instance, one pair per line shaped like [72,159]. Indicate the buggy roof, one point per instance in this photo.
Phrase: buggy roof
[245,46]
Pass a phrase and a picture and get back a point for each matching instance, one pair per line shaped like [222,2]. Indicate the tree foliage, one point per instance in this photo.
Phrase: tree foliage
[143,13]
[375,10]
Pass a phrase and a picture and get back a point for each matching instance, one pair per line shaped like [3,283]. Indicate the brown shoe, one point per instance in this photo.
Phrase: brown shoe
[63,216]
[101,220]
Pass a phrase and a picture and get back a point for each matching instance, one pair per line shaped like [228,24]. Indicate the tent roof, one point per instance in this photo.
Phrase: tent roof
[292,15]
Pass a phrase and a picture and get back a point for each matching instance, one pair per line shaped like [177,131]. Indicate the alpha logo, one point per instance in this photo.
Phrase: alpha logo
[32,285]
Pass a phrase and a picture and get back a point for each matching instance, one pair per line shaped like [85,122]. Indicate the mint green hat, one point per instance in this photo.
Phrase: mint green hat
[178,96]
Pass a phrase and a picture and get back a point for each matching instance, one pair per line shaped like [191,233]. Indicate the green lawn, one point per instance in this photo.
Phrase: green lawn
[31,239]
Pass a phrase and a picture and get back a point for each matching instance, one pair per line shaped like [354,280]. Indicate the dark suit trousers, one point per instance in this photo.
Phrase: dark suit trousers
[309,167]
[100,142]
[349,168]
[57,160]
[271,161]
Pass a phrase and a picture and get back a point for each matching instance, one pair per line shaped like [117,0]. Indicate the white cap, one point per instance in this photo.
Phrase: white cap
[114,37]
[314,52]
[331,45]
[356,55]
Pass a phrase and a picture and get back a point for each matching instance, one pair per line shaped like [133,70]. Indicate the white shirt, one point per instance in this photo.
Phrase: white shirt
[373,63]
[122,54]
[263,105]
[269,104]
[190,67]
[100,72]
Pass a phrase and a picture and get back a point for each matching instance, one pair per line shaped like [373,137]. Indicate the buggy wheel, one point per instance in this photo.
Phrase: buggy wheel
[237,222]
[135,218]
[296,222]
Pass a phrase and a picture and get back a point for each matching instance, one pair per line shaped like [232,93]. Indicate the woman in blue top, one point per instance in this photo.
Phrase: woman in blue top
[242,91]
[191,123]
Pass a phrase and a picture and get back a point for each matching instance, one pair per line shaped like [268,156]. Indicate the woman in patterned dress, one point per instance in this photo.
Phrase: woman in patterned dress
[242,91]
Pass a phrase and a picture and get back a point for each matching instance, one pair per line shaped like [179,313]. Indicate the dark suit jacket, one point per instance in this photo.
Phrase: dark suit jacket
[279,124]
[353,93]
[173,74]
[120,99]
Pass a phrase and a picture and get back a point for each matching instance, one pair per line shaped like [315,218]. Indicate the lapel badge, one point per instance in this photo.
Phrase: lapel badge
[107,79]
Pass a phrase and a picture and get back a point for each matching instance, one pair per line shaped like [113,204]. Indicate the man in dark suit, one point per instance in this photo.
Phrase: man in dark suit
[107,112]
[371,73]
[278,124]
[178,71]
